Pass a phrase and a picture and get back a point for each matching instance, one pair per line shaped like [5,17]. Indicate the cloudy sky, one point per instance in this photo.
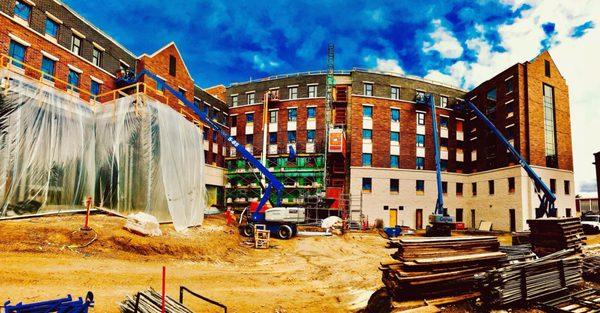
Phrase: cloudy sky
[459,42]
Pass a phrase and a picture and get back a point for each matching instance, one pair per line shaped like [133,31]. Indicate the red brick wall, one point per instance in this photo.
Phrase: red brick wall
[219,91]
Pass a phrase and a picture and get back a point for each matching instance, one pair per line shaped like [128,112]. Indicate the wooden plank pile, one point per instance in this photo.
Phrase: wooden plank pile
[549,235]
[591,267]
[586,300]
[518,253]
[438,266]
[523,282]
[150,301]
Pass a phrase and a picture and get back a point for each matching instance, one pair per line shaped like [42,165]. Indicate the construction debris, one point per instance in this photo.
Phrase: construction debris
[550,235]
[587,300]
[518,253]
[530,280]
[150,301]
[434,266]
[143,224]
[591,267]
[261,237]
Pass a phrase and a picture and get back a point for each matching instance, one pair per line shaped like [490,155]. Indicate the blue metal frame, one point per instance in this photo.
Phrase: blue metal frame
[273,183]
[548,198]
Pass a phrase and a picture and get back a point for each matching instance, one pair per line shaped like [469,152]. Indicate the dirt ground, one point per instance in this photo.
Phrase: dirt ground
[41,260]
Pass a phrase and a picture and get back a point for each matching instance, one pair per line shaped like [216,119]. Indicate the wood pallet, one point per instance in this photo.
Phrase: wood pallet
[587,300]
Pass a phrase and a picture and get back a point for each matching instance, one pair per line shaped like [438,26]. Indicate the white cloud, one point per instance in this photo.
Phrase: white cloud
[443,41]
[388,65]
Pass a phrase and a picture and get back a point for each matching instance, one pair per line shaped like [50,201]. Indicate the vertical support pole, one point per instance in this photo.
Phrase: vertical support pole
[164,277]
[88,204]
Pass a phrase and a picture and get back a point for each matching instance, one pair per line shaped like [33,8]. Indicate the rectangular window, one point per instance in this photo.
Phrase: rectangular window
[94,88]
[367,111]
[444,187]
[310,136]
[172,65]
[272,117]
[76,45]
[182,92]
[17,53]
[395,115]
[420,163]
[48,68]
[234,101]
[312,91]
[553,185]
[51,28]
[443,102]
[443,122]
[250,139]
[474,188]
[547,68]
[395,136]
[395,93]
[97,57]
[234,121]
[567,187]
[250,118]
[214,136]
[491,94]
[510,108]
[160,85]
[420,118]
[22,10]
[394,185]
[291,136]
[368,89]
[292,115]
[367,134]
[443,165]
[459,189]
[491,187]
[394,161]
[420,96]
[367,184]
[273,138]
[73,80]
[549,126]
[293,92]
[420,187]
[250,98]
[205,133]
[420,140]
[366,159]
[311,112]
[511,185]
[509,86]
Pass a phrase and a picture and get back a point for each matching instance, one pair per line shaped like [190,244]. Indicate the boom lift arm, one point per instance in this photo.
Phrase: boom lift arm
[548,198]
[273,183]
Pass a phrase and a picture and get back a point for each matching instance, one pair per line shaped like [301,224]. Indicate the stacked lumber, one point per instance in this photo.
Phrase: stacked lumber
[150,301]
[549,235]
[591,267]
[523,282]
[518,253]
[438,266]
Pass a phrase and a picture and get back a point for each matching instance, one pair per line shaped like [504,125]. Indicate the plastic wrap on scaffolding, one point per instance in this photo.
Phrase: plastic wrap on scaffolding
[133,154]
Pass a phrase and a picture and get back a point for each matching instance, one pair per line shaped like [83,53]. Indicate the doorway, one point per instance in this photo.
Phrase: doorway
[393,217]
[419,219]
[568,212]
[459,215]
[513,220]
[473,219]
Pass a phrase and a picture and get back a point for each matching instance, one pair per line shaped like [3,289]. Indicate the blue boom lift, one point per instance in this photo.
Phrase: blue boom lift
[280,227]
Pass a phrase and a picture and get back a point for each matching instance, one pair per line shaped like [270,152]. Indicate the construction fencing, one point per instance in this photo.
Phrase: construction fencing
[132,154]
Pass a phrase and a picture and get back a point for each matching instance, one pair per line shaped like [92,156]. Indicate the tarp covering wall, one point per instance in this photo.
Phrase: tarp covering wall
[132,154]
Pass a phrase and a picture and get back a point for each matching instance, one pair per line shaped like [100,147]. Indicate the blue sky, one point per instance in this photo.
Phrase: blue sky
[458,42]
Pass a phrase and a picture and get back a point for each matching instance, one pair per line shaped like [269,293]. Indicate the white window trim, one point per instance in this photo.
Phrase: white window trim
[313,84]
[509,77]
[396,108]
[54,18]
[124,63]
[459,119]
[50,56]
[274,88]
[273,110]
[77,33]
[249,92]
[311,106]
[418,111]
[509,101]
[234,95]
[98,80]
[75,69]
[367,105]
[182,88]
[252,112]
[511,125]
[473,98]
[368,82]
[234,114]
[19,40]
[292,86]
[288,108]
[446,116]
[99,47]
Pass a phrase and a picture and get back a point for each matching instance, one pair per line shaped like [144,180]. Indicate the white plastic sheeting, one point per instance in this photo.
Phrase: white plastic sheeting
[132,154]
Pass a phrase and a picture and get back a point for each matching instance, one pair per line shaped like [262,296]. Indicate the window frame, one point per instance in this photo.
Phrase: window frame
[392,118]
[314,112]
[292,117]
[422,163]
[367,134]
[368,89]
[308,135]
[420,144]
[97,59]
[312,91]
[397,135]
[71,86]
[17,60]
[94,83]
[24,5]
[420,186]
[394,185]
[273,117]
[397,162]
[53,23]
[79,40]
[292,136]
[421,118]
[395,93]
[292,93]
[251,119]
[48,76]
[251,98]
[367,182]
[367,159]
[365,109]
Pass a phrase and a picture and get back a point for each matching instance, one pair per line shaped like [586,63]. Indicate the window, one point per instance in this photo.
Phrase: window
[293,92]
[17,53]
[51,28]
[234,121]
[366,159]
[250,98]
[420,140]
[234,101]
[395,93]
[394,136]
[511,185]
[250,139]
[395,115]
[292,115]
[444,187]
[443,165]
[367,134]
[368,89]
[394,185]
[97,57]
[547,68]
[509,86]
[273,138]
[124,67]
[182,92]
[214,136]
[291,137]
[420,118]
[549,127]
[367,184]
[394,161]
[459,189]
[420,163]
[48,68]
[567,187]
[491,94]
[367,111]
[205,133]
[491,187]
[420,187]
[420,96]
[73,81]
[312,91]
[172,65]
[474,188]
[76,45]
[22,10]
[160,85]
[272,117]
[310,136]
[250,118]
[94,88]
[443,122]
[443,102]
[553,185]
[312,112]
[459,215]
[510,108]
